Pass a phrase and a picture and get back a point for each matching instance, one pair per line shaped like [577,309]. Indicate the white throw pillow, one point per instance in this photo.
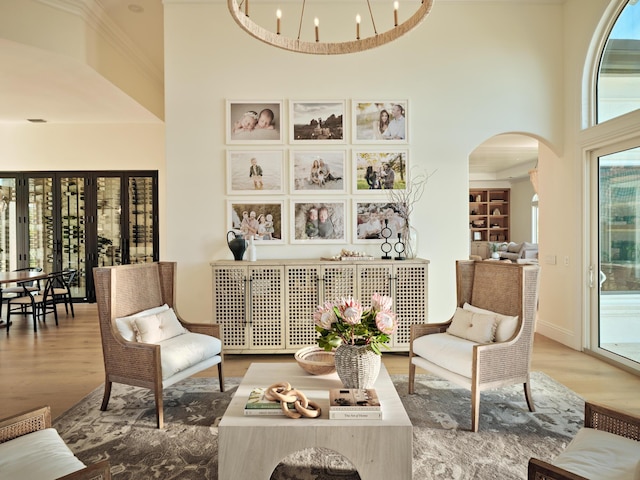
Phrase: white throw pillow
[514,247]
[506,325]
[476,327]
[124,326]
[158,327]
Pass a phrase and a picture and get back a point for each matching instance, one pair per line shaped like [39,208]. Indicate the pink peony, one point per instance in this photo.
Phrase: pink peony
[386,322]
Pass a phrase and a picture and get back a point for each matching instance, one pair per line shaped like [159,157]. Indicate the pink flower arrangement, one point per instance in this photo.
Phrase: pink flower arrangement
[345,321]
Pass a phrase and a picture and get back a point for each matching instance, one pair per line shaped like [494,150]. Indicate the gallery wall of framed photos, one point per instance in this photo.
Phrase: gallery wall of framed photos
[315,171]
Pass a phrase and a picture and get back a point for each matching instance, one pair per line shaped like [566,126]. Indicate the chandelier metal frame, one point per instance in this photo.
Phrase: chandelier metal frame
[327,48]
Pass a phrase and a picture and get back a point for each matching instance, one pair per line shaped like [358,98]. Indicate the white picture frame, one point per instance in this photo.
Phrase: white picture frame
[337,215]
[368,221]
[239,110]
[317,121]
[318,172]
[367,118]
[373,168]
[261,208]
[255,172]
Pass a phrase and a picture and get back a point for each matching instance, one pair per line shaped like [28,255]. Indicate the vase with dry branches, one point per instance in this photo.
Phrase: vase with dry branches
[405,201]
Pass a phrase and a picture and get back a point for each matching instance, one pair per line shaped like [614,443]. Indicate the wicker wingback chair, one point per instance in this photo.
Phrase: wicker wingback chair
[505,288]
[125,290]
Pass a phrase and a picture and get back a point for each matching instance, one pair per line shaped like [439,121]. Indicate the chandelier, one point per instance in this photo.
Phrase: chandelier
[241,14]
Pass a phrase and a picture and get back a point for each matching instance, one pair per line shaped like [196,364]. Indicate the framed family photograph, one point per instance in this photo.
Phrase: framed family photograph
[254,121]
[376,121]
[317,121]
[255,171]
[262,220]
[377,170]
[318,222]
[374,221]
[318,171]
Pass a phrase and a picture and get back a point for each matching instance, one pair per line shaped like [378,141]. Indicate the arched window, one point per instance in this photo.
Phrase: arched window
[618,86]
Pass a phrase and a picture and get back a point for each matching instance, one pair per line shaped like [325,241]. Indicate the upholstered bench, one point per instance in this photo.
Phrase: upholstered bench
[606,448]
[31,449]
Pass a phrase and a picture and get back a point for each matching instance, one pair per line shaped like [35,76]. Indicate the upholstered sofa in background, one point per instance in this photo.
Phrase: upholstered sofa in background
[518,251]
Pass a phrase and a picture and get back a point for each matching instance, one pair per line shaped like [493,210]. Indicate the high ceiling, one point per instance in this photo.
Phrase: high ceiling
[51,87]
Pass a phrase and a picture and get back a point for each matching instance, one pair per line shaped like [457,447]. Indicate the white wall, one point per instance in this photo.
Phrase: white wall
[520,210]
[45,147]
[470,71]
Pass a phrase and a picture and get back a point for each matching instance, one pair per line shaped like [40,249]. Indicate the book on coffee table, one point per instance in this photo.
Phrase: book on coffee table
[355,414]
[257,404]
[354,404]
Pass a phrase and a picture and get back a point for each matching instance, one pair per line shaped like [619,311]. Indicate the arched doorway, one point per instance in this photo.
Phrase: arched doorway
[503,163]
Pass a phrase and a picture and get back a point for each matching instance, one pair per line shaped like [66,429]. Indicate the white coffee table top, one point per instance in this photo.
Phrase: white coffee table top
[316,388]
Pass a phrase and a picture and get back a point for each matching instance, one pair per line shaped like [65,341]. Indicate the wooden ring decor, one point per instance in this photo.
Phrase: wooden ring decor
[302,406]
[276,392]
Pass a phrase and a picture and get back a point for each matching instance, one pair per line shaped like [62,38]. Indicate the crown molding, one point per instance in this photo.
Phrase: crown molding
[94,15]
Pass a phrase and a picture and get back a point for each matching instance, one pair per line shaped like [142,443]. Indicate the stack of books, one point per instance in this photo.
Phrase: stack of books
[257,404]
[354,404]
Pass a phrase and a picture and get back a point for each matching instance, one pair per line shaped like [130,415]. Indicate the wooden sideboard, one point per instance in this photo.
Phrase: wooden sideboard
[267,306]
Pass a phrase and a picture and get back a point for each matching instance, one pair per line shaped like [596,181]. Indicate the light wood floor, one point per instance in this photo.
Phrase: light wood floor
[58,366]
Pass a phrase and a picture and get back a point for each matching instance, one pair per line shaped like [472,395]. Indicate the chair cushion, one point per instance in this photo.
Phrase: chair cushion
[42,455]
[602,455]
[124,326]
[477,327]
[506,327]
[447,351]
[157,327]
[184,351]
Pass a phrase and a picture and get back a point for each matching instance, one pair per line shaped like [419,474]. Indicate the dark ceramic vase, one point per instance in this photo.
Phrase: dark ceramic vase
[237,244]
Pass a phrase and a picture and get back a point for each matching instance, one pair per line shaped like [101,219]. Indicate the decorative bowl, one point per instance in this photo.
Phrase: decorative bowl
[315,360]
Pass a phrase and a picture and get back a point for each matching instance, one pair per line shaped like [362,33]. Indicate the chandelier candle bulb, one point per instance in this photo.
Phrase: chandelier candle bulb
[357,27]
[278,16]
[317,24]
[395,13]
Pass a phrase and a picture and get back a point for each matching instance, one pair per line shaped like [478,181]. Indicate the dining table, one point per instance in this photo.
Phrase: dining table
[16,277]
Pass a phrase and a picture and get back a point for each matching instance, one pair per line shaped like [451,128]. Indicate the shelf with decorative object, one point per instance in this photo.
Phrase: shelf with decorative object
[489,214]
[267,306]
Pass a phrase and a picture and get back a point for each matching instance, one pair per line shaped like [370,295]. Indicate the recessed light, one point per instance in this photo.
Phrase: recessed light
[36,120]
[135,8]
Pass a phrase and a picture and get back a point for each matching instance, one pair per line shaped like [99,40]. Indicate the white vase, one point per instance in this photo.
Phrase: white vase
[411,243]
[357,366]
[495,255]
[252,255]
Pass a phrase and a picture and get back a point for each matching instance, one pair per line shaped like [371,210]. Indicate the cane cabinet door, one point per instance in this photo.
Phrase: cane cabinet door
[266,307]
[307,287]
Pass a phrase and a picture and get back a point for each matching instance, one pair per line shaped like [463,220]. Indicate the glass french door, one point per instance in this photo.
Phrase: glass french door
[615,324]
[8,224]
[78,220]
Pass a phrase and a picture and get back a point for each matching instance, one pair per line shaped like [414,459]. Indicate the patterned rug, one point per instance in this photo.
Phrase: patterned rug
[443,446]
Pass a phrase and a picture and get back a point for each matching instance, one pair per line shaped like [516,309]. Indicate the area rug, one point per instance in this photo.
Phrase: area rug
[443,446]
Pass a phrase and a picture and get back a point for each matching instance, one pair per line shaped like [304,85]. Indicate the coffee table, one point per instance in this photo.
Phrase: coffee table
[252,446]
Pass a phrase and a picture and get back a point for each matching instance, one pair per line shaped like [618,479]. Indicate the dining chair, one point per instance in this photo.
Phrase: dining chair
[35,303]
[62,288]
[18,290]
